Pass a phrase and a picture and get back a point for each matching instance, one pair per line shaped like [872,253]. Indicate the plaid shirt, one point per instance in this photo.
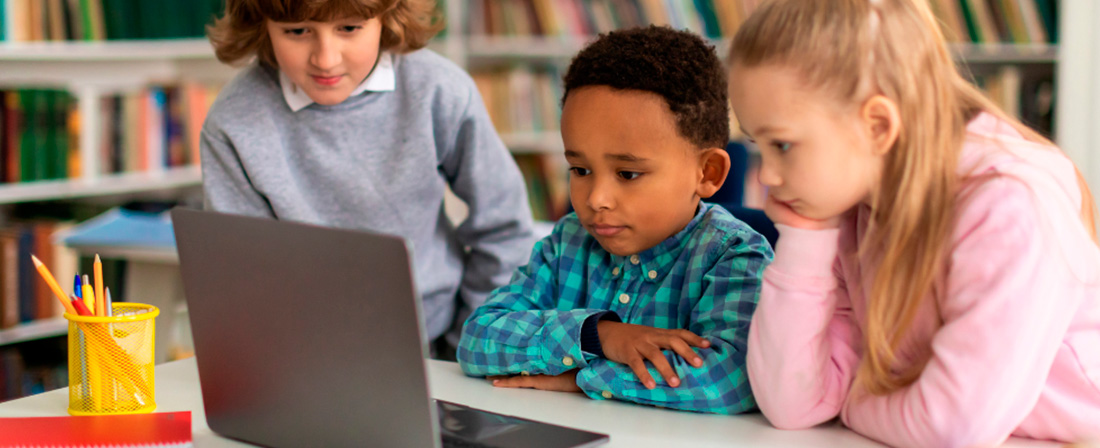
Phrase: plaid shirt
[705,279]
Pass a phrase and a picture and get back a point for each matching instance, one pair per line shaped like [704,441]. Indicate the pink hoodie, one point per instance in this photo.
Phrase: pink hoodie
[1016,337]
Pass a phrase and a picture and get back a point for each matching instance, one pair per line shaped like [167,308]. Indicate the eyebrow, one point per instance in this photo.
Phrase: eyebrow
[761,130]
[622,157]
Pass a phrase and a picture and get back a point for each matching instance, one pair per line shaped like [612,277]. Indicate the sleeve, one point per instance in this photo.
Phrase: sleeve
[498,230]
[722,315]
[801,355]
[1007,308]
[226,186]
[518,330]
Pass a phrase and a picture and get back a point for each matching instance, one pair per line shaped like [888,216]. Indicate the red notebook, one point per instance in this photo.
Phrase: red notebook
[162,429]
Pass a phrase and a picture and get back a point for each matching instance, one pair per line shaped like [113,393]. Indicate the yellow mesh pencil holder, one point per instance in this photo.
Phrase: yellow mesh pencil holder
[111,361]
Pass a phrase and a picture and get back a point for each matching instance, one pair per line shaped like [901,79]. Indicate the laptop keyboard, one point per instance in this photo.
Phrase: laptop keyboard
[455,442]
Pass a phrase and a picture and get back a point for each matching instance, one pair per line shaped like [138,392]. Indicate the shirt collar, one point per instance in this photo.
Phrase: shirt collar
[381,79]
[659,259]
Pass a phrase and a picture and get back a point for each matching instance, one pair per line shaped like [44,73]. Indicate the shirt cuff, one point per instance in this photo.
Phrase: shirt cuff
[590,336]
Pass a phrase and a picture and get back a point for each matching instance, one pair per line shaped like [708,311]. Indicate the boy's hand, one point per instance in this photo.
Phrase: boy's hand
[633,344]
[781,213]
[566,382]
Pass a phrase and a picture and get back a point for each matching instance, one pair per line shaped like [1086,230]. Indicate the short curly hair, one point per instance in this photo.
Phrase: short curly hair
[241,32]
[677,65]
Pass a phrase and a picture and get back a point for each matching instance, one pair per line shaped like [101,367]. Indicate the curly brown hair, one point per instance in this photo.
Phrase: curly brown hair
[241,32]
[677,65]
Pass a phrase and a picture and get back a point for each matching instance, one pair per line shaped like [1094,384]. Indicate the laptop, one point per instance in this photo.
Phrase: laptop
[312,336]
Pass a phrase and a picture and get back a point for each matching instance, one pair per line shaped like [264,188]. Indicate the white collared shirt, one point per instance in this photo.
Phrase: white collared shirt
[381,79]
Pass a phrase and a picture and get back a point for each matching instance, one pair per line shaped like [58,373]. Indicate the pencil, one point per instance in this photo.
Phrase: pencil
[48,277]
[98,270]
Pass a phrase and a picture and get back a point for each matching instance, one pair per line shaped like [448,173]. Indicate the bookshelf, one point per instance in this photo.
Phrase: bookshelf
[34,330]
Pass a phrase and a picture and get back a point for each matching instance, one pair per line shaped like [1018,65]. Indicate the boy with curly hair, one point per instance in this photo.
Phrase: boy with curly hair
[643,271]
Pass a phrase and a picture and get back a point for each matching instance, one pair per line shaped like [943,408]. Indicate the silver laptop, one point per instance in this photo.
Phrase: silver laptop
[311,336]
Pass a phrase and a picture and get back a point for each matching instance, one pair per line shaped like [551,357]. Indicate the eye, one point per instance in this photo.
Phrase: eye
[350,28]
[578,171]
[295,31]
[782,146]
[629,175]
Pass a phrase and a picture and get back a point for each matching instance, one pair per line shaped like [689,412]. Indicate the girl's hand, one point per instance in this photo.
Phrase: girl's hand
[781,213]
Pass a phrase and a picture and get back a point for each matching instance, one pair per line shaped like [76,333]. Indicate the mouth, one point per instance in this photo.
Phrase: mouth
[327,80]
[606,230]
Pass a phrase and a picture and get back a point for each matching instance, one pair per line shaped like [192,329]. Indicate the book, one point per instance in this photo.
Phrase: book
[161,429]
[119,227]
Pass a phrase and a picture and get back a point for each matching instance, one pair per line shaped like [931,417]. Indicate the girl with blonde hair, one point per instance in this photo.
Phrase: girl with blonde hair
[936,278]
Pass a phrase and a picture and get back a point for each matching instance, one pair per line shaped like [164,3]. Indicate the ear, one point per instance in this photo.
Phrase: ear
[882,121]
[714,165]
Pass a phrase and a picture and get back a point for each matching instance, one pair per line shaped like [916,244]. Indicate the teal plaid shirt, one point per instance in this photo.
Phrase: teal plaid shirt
[705,279]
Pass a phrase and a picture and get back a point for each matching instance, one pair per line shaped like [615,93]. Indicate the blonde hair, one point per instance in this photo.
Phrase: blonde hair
[894,48]
[407,25]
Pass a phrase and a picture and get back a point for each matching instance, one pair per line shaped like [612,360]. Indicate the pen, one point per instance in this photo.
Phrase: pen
[89,297]
[77,289]
[107,303]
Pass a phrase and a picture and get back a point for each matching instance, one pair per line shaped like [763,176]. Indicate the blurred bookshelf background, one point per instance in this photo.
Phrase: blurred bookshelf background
[101,102]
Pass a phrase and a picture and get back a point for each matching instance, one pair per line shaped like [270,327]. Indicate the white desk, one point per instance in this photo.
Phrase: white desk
[177,389]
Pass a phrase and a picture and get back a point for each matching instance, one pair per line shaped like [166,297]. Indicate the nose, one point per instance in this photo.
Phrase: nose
[326,52]
[602,195]
[769,173]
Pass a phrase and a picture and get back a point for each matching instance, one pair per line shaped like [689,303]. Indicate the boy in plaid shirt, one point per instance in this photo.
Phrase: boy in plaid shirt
[644,281]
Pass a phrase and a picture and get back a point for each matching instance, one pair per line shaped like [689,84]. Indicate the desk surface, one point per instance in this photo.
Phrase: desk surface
[177,389]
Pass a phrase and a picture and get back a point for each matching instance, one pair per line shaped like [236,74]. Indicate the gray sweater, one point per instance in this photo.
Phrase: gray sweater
[379,161]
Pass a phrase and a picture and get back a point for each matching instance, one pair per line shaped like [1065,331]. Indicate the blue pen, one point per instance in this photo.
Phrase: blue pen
[77,287]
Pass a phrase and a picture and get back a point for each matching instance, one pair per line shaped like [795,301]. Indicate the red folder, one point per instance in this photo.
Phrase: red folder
[162,429]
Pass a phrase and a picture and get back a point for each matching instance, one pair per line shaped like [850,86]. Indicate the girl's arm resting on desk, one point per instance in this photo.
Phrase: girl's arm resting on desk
[1009,301]
[721,316]
[226,187]
[481,171]
[801,359]
[519,330]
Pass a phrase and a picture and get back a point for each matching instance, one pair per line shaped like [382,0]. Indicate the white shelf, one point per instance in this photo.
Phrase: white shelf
[30,331]
[546,142]
[102,186]
[130,50]
[535,47]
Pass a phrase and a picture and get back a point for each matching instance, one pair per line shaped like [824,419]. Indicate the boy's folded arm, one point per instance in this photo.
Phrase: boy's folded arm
[519,330]
[801,356]
[721,315]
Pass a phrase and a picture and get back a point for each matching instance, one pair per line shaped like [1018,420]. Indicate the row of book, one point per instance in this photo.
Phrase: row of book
[147,129]
[999,21]
[97,20]
[522,98]
[24,297]
[584,18]
[978,21]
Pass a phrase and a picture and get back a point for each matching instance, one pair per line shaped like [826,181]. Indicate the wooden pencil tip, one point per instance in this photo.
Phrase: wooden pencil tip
[97,258]
[37,262]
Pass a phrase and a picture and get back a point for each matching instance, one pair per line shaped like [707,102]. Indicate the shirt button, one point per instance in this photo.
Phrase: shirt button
[606,394]
[525,373]
[652,275]
[615,271]
[567,361]
[624,298]
[635,260]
